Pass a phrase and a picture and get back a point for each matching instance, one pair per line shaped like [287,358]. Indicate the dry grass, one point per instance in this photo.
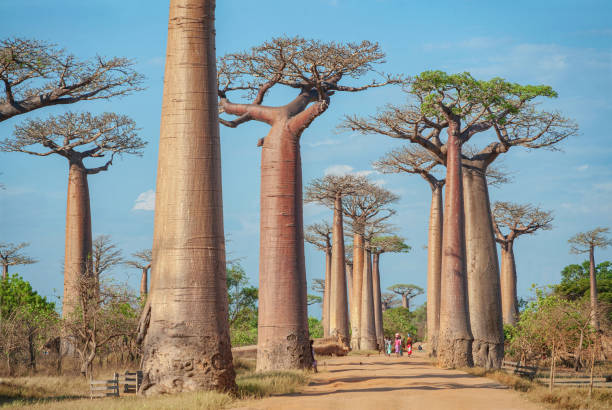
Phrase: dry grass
[364,353]
[567,398]
[58,393]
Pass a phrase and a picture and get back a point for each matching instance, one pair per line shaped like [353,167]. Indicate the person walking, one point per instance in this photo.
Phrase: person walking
[312,353]
[398,344]
[408,345]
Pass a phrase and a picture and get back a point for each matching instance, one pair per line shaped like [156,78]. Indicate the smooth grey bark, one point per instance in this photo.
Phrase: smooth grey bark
[434,266]
[368,330]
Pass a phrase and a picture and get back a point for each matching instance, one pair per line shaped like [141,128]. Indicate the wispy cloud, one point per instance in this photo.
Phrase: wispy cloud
[582,168]
[346,170]
[145,201]
[338,170]
[323,142]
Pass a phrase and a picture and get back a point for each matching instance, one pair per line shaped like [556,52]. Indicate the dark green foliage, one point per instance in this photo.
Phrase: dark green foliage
[16,293]
[314,299]
[401,320]
[242,307]
[315,328]
[576,285]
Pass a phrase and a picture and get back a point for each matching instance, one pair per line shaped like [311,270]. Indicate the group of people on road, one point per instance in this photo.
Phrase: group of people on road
[398,346]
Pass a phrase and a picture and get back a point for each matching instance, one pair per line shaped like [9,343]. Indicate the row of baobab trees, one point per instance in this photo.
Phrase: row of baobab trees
[183,329]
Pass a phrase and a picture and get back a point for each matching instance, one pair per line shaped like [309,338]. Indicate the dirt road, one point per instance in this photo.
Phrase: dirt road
[378,382]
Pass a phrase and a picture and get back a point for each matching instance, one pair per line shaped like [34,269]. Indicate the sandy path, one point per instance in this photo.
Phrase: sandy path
[378,382]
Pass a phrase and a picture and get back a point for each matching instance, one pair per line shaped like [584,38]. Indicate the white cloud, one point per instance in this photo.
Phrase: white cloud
[583,167]
[338,170]
[379,182]
[145,201]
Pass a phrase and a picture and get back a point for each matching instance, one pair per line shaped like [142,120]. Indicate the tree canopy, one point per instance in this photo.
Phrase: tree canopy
[575,284]
[37,74]
[583,242]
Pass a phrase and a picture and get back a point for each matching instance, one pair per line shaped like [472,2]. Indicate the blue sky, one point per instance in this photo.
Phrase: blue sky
[565,44]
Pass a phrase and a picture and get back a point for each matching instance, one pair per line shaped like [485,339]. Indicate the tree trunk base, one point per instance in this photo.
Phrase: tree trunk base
[487,355]
[291,352]
[455,353]
[433,347]
[171,368]
[368,344]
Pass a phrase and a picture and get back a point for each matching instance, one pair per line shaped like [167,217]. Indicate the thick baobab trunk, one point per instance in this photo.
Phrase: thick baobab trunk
[508,285]
[368,329]
[327,292]
[77,259]
[283,322]
[434,261]
[338,306]
[186,333]
[378,320]
[143,283]
[5,271]
[455,336]
[484,293]
[405,300]
[593,281]
[356,292]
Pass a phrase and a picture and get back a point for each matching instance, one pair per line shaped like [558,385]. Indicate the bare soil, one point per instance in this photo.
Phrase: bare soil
[380,382]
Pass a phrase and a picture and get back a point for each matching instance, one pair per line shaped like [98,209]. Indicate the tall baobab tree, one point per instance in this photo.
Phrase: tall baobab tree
[586,242]
[77,137]
[36,74]
[407,292]
[10,255]
[184,326]
[378,246]
[463,107]
[142,260]
[329,191]
[320,235]
[517,220]
[316,70]
[369,206]
[414,159]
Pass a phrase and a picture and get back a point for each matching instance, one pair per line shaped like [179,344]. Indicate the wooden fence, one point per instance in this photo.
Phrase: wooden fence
[110,388]
[561,378]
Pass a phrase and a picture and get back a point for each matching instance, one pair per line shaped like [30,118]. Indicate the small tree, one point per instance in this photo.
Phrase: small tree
[586,242]
[313,300]
[103,314]
[516,220]
[142,260]
[26,320]
[407,292]
[10,255]
[575,281]
[37,74]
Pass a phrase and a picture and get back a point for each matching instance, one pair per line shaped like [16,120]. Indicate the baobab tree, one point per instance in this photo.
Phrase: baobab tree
[142,260]
[10,255]
[586,242]
[407,292]
[463,107]
[517,220]
[184,326]
[36,74]
[77,137]
[369,206]
[316,70]
[389,300]
[378,246]
[414,159]
[329,191]
[320,235]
